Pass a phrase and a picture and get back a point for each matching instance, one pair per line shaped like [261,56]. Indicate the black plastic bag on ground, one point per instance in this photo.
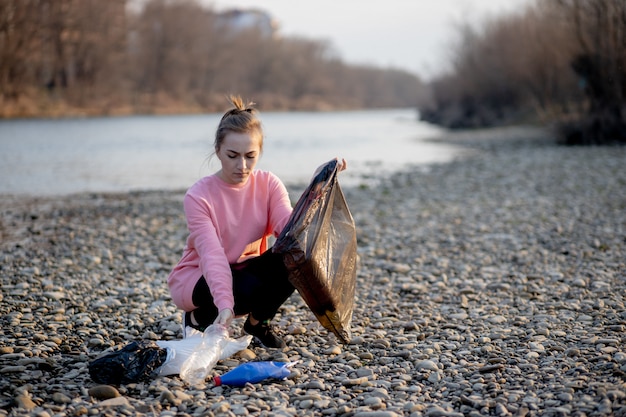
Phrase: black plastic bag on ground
[137,361]
[318,246]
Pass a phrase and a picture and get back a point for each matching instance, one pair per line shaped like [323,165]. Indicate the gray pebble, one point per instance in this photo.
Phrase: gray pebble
[103,392]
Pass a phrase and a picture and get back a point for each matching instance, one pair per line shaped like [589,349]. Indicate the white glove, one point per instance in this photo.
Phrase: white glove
[225,317]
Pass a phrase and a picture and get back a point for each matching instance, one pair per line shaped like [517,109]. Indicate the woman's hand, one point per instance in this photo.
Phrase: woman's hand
[225,317]
[341,166]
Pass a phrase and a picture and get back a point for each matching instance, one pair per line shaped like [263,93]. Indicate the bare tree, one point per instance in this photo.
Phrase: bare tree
[600,29]
[534,63]
[100,57]
[19,38]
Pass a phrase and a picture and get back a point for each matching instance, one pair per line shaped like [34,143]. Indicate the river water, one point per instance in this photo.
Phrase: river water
[119,154]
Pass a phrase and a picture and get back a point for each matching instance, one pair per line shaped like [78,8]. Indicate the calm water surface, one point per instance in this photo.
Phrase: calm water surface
[57,157]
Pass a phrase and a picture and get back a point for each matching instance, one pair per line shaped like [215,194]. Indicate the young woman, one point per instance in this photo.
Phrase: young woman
[226,270]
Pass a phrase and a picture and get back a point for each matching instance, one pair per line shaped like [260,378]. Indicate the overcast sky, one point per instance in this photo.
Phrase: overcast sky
[410,34]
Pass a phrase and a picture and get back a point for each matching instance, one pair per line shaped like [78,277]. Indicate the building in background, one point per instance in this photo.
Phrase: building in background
[241,20]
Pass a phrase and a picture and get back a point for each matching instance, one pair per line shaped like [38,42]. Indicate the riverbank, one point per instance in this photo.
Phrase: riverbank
[493,285]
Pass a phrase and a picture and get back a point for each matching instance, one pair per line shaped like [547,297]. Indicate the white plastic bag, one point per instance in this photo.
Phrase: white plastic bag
[194,357]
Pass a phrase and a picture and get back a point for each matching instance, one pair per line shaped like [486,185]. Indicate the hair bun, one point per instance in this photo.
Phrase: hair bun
[237,103]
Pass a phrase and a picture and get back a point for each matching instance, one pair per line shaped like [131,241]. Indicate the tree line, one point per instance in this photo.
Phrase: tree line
[560,62]
[94,57]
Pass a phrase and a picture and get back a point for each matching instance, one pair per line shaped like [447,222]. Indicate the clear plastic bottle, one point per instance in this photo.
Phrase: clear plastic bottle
[254,372]
[196,368]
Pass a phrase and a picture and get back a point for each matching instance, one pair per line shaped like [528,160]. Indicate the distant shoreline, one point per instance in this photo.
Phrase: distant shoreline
[471,139]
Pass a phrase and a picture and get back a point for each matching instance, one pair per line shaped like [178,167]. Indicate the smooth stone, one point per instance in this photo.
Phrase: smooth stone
[427,365]
[316,384]
[306,404]
[168,397]
[376,414]
[333,350]
[24,401]
[115,402]
[246,354]
[103,392]
[374,402]
[297,330]
[61,398]
[11,369]
[435,377]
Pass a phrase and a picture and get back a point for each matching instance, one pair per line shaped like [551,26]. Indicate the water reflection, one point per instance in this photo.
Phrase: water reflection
[51,157]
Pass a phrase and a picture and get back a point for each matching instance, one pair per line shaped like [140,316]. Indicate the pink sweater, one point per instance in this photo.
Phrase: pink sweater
[227,224]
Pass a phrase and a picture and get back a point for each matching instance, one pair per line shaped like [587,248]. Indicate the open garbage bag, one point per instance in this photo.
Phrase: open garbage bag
[318,246]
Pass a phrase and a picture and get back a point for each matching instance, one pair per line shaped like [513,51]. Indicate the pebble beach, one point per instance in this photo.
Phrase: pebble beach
[491,285]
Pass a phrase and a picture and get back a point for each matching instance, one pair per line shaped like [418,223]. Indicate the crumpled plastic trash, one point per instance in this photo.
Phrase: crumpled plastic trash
[134,362]
[180,351]
[319,249]
[145,360]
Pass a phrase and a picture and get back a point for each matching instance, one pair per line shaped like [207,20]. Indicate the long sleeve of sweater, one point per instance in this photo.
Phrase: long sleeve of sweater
[227,224]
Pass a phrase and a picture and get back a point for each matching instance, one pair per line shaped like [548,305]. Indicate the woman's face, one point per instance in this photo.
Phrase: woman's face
[238,153]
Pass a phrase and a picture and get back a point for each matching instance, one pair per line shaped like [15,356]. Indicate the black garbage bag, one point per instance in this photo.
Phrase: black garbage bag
[137,361]
[318,246]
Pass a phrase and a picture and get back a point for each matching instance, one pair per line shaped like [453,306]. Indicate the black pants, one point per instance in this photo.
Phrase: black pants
[260,287]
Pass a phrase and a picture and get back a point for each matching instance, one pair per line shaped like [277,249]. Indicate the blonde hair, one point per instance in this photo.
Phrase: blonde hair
[240,119]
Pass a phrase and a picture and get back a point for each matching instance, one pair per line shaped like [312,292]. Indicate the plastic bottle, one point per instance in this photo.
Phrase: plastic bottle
[254,372]
[196,368]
